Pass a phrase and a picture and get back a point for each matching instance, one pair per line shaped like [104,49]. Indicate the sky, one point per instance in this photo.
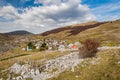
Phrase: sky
[38,16]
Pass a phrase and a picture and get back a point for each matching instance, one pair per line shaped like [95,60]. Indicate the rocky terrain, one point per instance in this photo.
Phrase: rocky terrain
[6,43]
[52,68]
[12,40]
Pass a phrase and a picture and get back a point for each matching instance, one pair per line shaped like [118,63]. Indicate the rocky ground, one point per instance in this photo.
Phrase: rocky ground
[52,68]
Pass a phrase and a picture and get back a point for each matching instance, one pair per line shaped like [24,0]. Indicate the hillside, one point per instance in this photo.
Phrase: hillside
[6,42]
[20,32]
[73,29]
[104,67]
[9,41]
[63,65]
[105,32]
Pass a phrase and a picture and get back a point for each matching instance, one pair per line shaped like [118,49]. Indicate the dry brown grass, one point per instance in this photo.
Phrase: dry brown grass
[106,67]
[31,56]
[107,33]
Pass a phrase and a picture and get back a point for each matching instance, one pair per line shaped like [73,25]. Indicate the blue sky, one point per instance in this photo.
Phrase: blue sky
[38,16]
[104,10]
[96,3]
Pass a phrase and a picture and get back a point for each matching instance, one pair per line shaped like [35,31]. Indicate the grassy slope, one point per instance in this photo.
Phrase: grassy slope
[64,32]
[9,58]
[106,33]
[108,68]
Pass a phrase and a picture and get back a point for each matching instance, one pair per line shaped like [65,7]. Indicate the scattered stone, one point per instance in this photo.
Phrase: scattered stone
[19,78]
[52,67]
[37,72]
[16,68]
[1,78]
[23,49]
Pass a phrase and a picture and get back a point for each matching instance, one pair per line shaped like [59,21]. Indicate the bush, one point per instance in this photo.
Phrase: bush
[88,49]
[31,46]
[43,47]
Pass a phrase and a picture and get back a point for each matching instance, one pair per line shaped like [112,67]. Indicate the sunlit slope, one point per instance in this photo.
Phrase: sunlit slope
[105,32]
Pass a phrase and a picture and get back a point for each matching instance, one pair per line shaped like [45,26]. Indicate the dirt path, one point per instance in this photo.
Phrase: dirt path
[107,47]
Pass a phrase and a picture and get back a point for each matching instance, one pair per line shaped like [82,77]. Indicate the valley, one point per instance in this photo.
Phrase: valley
[53,55]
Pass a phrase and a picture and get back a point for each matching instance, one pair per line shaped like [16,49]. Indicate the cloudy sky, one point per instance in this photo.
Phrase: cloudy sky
[38,16]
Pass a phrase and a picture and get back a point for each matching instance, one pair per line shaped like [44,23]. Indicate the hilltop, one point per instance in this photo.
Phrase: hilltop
[19,32]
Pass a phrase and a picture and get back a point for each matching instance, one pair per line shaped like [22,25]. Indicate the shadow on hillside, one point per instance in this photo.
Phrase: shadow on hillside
[72,30]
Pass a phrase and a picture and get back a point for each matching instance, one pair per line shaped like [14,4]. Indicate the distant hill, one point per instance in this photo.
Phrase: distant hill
[20,32]
[7,39]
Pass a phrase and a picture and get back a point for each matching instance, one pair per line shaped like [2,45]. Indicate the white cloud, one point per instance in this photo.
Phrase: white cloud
[8,12]
[48,2]
[53,14]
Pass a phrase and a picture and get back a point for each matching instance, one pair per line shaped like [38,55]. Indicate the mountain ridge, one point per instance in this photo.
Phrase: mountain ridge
[74,29]
[19,32]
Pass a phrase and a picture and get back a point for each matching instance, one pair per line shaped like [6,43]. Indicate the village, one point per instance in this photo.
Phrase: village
[50,44]
[59,39]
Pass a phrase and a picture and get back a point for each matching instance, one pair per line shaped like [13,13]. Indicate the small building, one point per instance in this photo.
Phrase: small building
[29,48]
[23,49]
[70,45]
[61,48]
[50,48]
[77,43]
[73,47]
[37,47]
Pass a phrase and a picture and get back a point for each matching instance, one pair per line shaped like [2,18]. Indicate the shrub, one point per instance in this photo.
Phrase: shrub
[31,46]
[88,49]
[43,47]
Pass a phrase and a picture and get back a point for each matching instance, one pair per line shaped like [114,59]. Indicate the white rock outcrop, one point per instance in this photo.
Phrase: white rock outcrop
[53,67]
